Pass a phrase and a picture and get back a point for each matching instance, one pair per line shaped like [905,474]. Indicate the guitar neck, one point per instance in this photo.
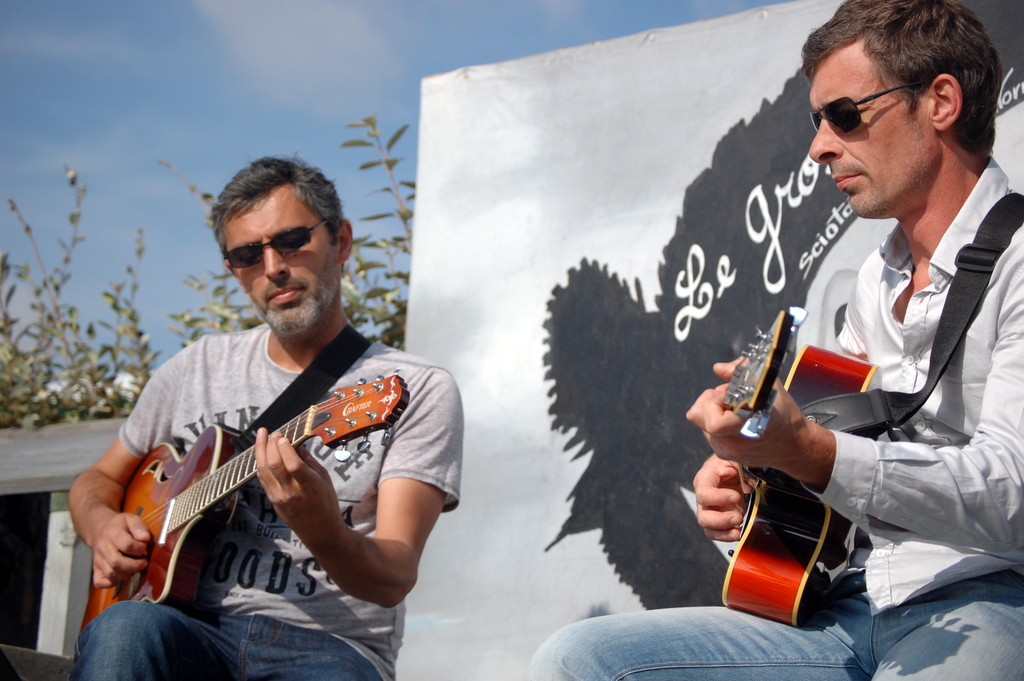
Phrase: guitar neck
[204,494]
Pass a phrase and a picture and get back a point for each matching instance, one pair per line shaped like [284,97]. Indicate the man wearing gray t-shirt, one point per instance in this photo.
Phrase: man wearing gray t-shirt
[308,577]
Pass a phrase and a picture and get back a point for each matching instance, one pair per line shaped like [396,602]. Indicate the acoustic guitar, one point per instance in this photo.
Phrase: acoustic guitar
[186,500]
[792,545]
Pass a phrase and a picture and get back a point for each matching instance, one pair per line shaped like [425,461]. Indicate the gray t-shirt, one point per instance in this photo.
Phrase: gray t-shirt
[256,565]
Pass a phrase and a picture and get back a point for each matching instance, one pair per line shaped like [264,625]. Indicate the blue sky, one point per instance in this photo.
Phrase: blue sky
[110,88]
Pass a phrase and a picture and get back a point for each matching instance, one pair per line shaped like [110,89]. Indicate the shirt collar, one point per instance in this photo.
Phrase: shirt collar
[992,186]
[896,251]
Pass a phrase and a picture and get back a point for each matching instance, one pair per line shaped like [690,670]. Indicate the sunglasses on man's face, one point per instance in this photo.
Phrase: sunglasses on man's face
[287,242]
[843,112]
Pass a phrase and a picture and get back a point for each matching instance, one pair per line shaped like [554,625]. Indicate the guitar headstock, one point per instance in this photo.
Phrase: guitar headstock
[359,410]
[751,392]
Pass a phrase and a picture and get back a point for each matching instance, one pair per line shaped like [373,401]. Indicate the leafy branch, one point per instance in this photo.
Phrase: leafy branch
[219,313]
[206,199]
[50,367]
[376,289]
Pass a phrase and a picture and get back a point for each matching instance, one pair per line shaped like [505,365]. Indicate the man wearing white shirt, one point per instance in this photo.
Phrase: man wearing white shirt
[903,94]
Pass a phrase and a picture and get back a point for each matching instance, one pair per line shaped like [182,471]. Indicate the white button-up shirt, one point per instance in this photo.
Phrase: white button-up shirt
[948,502]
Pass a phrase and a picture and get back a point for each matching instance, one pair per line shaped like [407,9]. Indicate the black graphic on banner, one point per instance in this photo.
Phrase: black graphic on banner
[754,230]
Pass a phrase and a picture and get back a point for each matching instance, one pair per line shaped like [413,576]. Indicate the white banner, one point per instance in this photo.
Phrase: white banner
[595,227]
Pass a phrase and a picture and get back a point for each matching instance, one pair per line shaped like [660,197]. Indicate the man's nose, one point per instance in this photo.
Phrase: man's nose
[825,146]
[274,264]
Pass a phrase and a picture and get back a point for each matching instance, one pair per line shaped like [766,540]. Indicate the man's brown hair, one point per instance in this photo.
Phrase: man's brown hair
[914,41]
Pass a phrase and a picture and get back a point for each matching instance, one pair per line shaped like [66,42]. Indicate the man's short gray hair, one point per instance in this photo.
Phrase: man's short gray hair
[254,182]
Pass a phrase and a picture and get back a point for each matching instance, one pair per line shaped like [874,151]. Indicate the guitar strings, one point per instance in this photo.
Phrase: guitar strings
[243,457]
[295,431]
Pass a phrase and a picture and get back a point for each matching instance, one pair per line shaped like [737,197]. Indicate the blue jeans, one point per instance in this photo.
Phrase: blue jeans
[968,630]
[140,641]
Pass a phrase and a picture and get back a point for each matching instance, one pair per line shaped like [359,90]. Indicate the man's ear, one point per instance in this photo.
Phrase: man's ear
[344,241]
[946,102]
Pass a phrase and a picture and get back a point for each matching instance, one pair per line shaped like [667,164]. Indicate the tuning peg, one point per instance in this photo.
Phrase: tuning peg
[385,439]
[380,377]
[343,455]
[361,381]
[364,445]
[799,316]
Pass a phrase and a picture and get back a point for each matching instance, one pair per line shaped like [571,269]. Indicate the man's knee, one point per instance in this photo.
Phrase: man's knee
[143,641]
[131,621]
[569,653]
[129,631]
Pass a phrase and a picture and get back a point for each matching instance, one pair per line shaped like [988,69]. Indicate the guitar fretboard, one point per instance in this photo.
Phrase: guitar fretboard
[204,494]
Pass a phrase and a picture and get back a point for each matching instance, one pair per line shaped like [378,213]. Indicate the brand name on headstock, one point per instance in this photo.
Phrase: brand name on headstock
[360,406]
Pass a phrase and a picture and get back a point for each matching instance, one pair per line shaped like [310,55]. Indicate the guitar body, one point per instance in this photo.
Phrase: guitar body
[175,564]
[819,373]
[793,545]
[186,501]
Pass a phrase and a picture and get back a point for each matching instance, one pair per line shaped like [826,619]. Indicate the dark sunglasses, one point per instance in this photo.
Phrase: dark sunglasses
[287,242]
[844,114]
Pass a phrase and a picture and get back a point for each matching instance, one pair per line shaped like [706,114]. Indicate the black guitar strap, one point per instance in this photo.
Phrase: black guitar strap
[326,368]
[873,412]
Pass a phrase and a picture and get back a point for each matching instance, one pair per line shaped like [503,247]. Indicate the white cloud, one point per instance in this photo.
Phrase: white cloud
[78,45]
[561,11]
[310,54]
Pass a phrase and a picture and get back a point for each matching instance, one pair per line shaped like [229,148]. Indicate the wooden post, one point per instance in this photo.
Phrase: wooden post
[68,567]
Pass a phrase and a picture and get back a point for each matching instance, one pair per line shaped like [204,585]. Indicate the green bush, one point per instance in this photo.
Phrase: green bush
[52,367]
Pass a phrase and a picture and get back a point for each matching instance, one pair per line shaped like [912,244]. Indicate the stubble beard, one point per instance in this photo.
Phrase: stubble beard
[867,206]
[916,170]
[313,312]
